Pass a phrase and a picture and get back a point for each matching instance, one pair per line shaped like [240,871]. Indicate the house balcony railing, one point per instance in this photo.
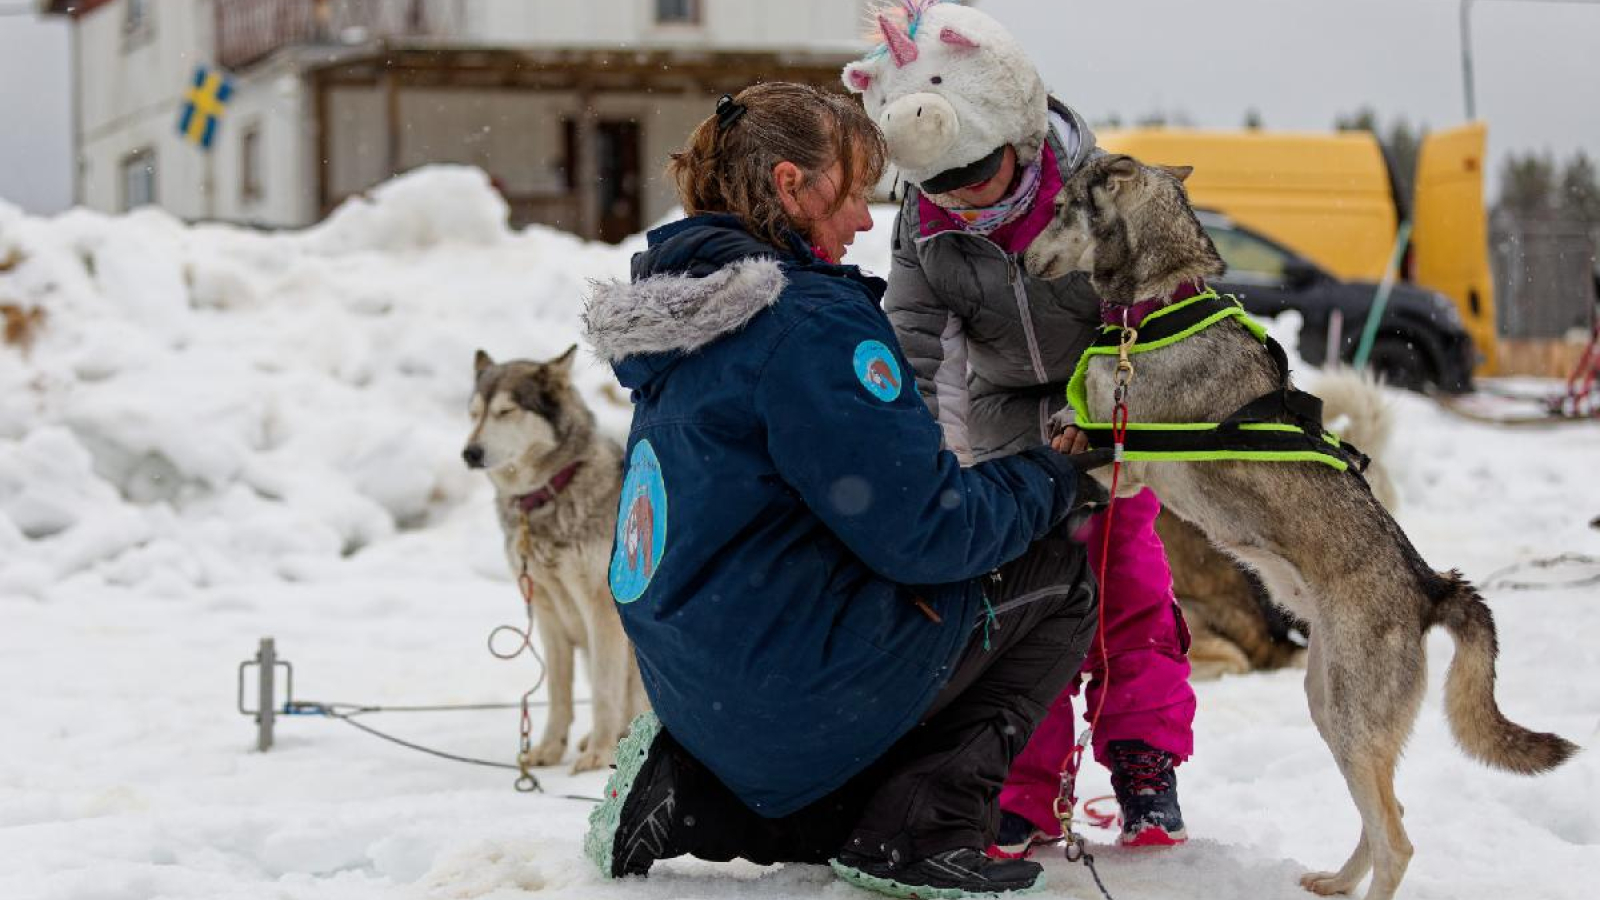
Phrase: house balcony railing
[251,30]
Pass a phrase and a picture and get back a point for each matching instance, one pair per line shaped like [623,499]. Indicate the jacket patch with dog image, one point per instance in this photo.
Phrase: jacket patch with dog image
[641,526]
[877,370]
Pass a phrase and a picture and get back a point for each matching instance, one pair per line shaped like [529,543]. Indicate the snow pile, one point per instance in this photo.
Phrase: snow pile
[220,435]
[208,404]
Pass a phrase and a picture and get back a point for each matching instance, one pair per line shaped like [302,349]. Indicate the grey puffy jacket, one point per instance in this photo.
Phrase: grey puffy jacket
[992,345]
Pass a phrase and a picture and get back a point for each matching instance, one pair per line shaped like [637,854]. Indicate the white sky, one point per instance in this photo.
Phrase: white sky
[1299,62]
[35,112]
[1303,62]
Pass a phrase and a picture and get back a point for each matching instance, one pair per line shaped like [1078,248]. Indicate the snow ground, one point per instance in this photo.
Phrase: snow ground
[222,435]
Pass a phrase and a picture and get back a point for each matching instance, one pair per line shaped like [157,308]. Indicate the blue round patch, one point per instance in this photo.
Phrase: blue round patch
[877,370]
[641,526]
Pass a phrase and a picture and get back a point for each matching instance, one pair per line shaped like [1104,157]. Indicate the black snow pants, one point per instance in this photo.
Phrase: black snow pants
[938,787]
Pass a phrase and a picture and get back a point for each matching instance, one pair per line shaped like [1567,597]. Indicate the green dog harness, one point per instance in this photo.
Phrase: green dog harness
[1283,425]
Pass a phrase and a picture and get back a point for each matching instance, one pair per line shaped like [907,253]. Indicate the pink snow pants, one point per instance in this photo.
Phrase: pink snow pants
[1146,640]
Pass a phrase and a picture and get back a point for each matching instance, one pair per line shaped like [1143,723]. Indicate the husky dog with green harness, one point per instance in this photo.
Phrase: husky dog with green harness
[1217,429]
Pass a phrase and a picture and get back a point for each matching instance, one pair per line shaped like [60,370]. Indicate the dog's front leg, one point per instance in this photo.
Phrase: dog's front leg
[611,663]
[611,669]
[558,652]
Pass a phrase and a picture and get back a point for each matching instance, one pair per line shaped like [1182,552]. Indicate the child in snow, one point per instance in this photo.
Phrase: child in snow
[836,674]
[983,150]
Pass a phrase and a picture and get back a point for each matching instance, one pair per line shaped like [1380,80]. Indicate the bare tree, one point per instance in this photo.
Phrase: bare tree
[1580,190]
[1528,185]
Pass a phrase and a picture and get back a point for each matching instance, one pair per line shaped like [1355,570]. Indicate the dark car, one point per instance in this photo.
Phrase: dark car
[1421,343]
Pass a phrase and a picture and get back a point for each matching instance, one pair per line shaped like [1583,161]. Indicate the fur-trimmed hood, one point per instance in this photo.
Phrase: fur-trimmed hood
[701,278]
[678,312]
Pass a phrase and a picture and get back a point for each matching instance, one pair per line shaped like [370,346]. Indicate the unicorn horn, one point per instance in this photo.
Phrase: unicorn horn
[901,46]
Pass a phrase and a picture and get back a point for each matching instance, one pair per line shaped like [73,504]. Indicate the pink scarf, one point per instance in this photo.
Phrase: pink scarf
[988,219]
[1027,221]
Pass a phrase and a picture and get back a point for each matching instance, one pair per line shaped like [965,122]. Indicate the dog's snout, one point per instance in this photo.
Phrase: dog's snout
[473,456]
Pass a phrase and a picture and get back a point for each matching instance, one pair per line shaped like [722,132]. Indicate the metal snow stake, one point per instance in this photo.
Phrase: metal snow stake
[266,663]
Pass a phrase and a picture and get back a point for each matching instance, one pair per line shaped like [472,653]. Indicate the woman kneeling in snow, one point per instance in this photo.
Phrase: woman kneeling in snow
[847,637]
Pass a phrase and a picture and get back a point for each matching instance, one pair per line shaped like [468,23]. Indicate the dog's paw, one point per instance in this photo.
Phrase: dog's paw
[1325,883]
[548,753]
[596,755]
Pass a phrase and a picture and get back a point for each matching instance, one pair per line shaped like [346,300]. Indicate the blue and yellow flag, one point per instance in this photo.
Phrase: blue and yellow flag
[203,106]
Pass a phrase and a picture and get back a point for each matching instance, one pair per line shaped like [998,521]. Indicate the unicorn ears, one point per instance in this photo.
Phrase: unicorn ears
[955,38]
[858,77]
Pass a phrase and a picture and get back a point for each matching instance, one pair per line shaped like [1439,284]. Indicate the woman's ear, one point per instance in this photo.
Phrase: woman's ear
[788,179]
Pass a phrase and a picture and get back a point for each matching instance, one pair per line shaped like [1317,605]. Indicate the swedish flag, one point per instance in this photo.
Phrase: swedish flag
[203,106]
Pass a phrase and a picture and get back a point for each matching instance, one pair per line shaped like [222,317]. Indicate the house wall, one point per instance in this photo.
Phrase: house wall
[725,24]
[515,136]
[131,85]
[277,104]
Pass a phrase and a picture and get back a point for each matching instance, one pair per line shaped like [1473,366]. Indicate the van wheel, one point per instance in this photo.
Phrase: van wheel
[1400,363]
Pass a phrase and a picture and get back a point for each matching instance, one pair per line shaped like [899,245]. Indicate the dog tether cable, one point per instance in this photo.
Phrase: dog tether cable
[346,713]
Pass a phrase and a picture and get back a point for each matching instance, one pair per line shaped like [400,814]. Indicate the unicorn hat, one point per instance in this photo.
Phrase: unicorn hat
[951,88]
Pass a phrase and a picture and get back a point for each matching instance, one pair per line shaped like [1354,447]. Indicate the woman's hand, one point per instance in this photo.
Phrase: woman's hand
[1070,440]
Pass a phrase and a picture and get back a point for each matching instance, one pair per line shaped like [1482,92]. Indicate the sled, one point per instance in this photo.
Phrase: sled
[1513,402]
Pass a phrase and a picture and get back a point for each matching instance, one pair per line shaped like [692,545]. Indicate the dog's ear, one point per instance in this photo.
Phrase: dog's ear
[1119,170]
[1181,173]
[562,365]
[481,362]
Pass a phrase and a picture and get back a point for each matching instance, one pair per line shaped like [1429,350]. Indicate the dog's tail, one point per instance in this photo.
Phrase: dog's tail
[1475,718]
[1355,408]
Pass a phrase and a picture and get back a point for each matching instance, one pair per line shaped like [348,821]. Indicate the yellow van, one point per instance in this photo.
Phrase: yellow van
[1329,197]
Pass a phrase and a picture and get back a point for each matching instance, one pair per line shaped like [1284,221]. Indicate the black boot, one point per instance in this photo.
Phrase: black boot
[953,874]
[1017,837]
[1147,789]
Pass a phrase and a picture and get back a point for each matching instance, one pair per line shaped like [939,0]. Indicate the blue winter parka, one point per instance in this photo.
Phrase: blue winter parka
[787,511]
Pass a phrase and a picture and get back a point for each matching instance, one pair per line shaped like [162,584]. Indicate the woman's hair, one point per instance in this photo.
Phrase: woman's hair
[728,168]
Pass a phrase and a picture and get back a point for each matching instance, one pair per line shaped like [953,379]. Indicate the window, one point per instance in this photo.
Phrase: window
[139,179]
[1249,258]
[136,22]
[250,164]
[678,12]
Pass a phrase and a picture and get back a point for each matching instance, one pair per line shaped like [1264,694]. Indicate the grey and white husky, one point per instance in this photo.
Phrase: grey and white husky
[556,486]
[1324,547]
[1234,627]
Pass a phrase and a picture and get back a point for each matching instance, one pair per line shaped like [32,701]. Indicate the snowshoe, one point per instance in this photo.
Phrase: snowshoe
[951,875]
[632,826]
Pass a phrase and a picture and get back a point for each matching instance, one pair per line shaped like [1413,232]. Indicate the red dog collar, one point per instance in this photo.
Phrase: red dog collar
[545,495]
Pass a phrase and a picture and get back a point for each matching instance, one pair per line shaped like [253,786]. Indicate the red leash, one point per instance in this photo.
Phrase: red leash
[1067,799]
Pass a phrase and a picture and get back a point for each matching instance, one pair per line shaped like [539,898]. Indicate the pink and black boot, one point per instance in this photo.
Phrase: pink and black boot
[1146,784]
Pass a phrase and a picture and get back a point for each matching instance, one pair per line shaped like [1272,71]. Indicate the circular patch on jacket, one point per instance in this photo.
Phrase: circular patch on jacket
[641,526]
[877,370]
